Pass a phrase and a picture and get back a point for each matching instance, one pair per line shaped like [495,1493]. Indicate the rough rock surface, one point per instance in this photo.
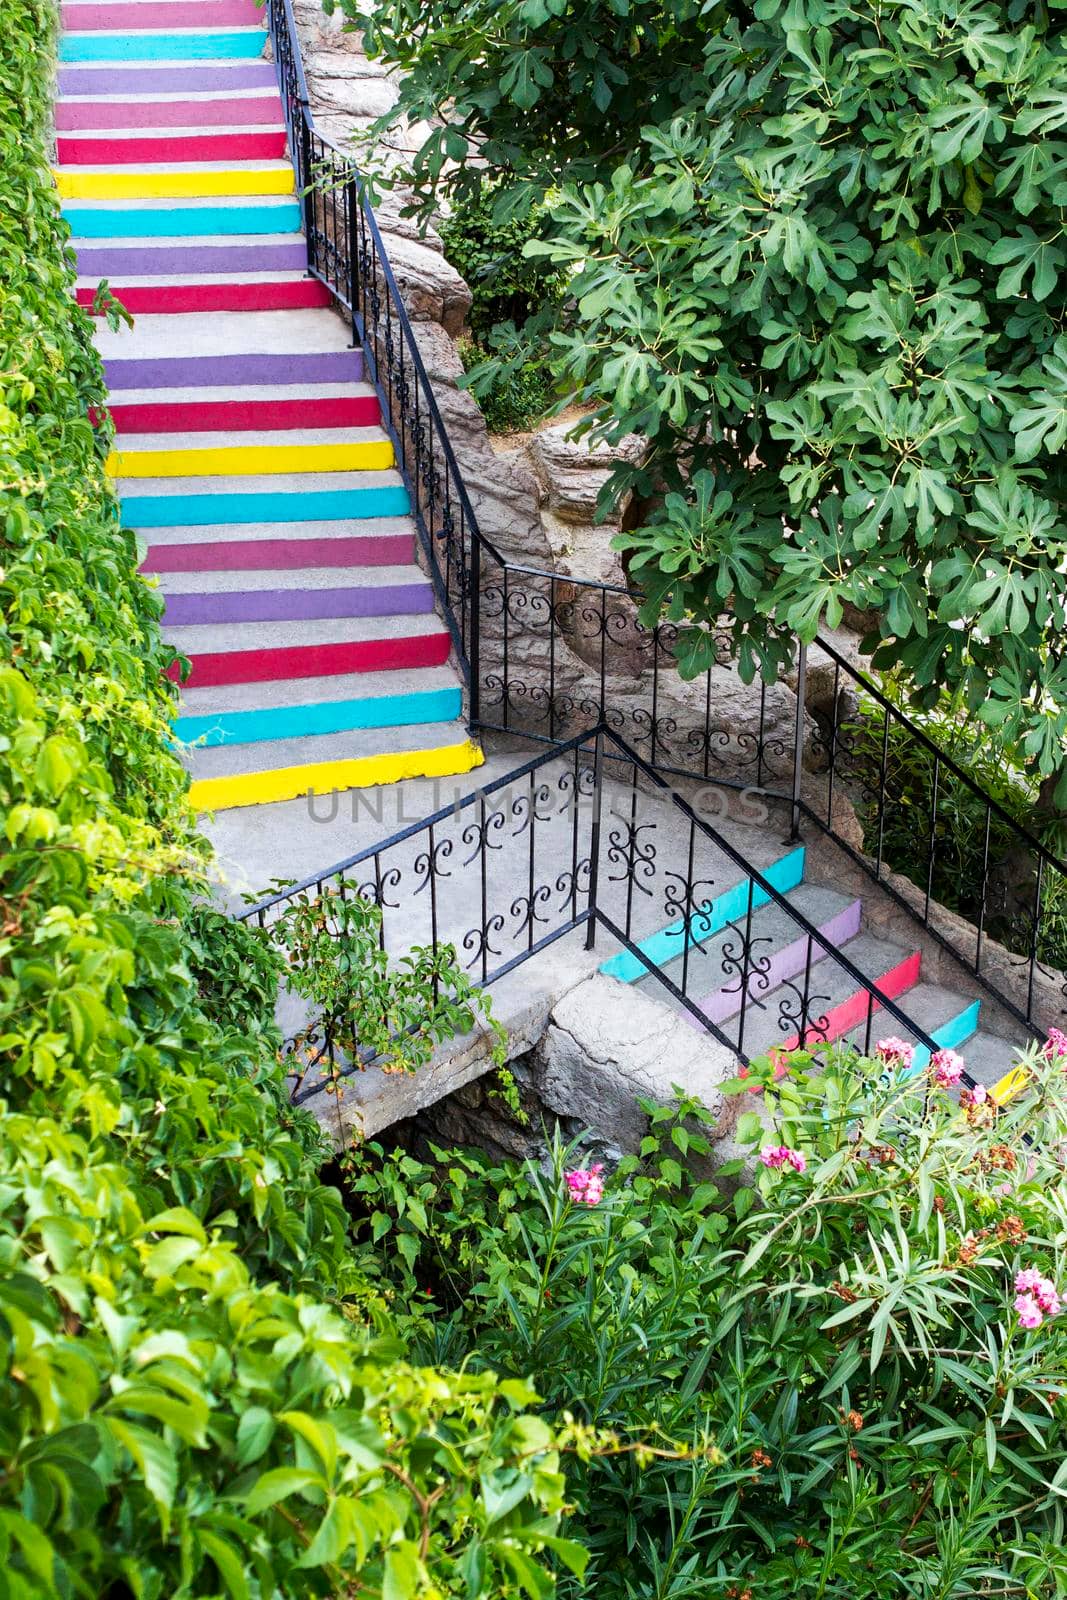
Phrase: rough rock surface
[607,1045]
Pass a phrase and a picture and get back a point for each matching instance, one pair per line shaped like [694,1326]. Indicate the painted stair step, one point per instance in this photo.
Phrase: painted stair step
[167,14]
[217,371]
[949,1018]
[290,554]
[214,668]
[315,718]
[142,512]
[778,948]
[210,181]
[115,82]
[672,941]
[294,603]
[253,460]
[315,773]
[326,577]
[836,1005]
[196,44]
[181,299]
[228,333]
[227,698]
[73,116]
[118,261]
[163,220]
[260,416]
[226,147]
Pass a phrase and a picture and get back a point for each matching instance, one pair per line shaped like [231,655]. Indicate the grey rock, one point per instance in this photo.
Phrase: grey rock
[607,1044]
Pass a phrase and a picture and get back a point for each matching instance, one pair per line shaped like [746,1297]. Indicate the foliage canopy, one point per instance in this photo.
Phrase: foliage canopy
[200,1396]
[818,261]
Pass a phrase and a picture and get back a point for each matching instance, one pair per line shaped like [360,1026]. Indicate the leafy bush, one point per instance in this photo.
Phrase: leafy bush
[514,392]
[194,1398]
[486,245]
[823,1386]
[514,298]
[962,856]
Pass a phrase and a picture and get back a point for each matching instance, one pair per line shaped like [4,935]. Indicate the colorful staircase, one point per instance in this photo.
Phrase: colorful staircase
[791,972]
[250,454]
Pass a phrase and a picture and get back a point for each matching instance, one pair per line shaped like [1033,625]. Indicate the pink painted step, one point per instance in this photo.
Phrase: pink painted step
[82,116]
[83,16]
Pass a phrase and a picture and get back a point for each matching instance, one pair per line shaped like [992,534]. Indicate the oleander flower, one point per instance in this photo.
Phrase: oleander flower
[947,1068]
[895,1052]
[780,1155]
[586,1184]
[1030,1313]
[1055,1046]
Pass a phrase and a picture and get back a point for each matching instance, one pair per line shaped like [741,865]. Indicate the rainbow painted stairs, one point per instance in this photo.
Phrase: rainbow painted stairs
[250,455]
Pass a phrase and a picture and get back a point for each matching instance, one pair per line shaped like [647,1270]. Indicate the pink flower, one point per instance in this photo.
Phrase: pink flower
[1035,1293]
[1030,1315]
[947,1068]
[1056,1047]
[586,1184]
[895,1052]
[974,1097]
[780,1155]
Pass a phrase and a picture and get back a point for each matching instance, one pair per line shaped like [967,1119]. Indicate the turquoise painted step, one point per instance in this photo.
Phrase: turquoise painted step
[246,43]
[178,221]
[203,510]
[949,1036]
[668,944]
[335,716]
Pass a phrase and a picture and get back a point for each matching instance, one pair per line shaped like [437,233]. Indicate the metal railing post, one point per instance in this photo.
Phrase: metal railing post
[353,201]
[798,742]
[594,840]
[474,627]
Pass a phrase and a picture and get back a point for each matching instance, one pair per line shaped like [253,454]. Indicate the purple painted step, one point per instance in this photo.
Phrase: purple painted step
[120,262]
[112,79]
[785,963]
[186,372]
[301,605]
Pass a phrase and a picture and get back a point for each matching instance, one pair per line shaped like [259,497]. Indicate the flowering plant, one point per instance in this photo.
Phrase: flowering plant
[833,1364]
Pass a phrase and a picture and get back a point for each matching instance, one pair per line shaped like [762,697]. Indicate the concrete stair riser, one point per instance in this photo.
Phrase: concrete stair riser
[145,261]
[278,554]
[82,17]
[162,511]
[176,222]
[322,717]
[293,603]
[268,371]
[259,416]
[232,44]
[181,299]
[116,82]
[251,460]
[73,116]
[259,180]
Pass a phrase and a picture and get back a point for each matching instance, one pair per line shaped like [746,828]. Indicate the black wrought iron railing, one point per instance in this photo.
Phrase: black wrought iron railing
[548,657]
[584,836]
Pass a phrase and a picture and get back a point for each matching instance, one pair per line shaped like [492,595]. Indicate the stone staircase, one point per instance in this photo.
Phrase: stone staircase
[250,454]
[790,973]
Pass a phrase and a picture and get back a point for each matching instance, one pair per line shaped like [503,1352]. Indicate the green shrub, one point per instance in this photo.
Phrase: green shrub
[818,1389]
[961,855]
[514,394]
[195,1399]
[487,249]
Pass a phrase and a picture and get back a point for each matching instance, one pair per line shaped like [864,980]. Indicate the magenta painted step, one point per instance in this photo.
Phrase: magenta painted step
[113,78]
[281,555]
[187,372]
[107,116]
[142,261]
[785,963]
[298,605]
[166,15]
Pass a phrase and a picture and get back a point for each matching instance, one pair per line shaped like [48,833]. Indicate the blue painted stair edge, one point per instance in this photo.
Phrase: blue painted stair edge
[671,942]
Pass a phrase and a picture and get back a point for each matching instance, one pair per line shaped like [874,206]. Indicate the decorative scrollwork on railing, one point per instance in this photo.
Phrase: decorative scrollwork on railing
[633,854]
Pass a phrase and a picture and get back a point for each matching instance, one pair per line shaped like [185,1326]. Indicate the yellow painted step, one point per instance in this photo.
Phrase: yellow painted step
[362,772]
[1012,1083]
[252,460]
[193,185]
